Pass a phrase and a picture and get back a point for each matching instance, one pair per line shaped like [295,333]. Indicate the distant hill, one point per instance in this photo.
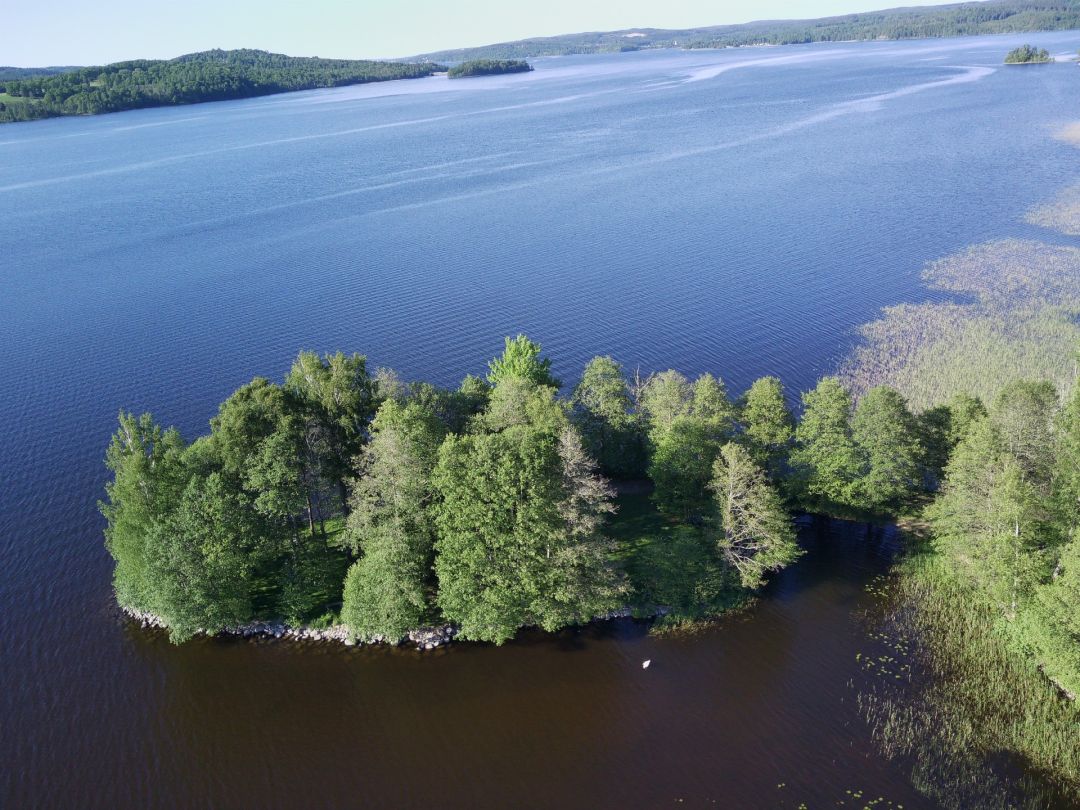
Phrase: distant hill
[7,73]
[207,76]
[961,19]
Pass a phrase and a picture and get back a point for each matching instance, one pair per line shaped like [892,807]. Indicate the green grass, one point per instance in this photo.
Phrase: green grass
[1023,322]
[313,596]
[975,717]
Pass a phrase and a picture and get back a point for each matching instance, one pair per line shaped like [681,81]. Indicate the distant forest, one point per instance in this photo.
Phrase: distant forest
[963,19]
[8,73]
[208,76]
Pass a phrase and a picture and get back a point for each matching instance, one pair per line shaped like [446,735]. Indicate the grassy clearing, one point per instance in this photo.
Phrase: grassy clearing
[1024,323]
[310,593]
[980,724]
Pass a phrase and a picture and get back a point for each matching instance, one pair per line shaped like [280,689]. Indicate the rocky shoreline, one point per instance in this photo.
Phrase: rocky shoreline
[424,638]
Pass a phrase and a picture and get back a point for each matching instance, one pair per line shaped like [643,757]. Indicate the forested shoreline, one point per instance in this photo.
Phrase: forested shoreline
[348,497]
[960,19]
[215,75]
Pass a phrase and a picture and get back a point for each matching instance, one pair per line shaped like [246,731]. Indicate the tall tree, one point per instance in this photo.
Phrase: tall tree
[390,523]
[337,399]
[988,518]
[887,440]
[515,544]
[768,426]
[521,359]
[687,423]
[1066,483]
[148,476]
[199,559]
[755,531]
[1052,622]
[1023,414]
[825,457]
[603,411]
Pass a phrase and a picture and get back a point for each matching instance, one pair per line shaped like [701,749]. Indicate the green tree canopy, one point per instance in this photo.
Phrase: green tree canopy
[886,438]
[603,412]
[521,359]
[390,523]
[768,426]
[825,457]
[755,532]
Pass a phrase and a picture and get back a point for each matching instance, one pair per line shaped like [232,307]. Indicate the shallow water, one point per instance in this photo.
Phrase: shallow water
[739,212]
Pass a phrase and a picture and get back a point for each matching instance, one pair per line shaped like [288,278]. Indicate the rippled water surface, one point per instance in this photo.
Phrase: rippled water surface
[739,211]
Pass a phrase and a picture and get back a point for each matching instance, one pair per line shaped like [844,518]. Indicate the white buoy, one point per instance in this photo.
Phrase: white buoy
[645,664]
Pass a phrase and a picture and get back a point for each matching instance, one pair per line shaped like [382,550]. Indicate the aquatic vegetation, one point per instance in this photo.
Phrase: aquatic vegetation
[1021,324]
[1063,214]
[980,724]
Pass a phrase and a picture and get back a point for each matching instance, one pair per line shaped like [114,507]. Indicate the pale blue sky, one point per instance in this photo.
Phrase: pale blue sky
[65,32]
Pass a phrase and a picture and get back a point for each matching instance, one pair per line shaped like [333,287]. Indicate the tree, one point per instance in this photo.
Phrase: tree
[390,523]
[755,532]
[825,458]
[687,423]
[1023,414]
[768,426]
[516,544]
[244,420]
[988,516]
[148,476]
[680,468]
[521,359]
[199,560]
[337,399]
[1052,622]
[887,440]
[1066,476]
[941,428]
[603,411]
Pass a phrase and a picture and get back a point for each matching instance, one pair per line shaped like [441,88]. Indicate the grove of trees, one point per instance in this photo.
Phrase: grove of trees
[342,495]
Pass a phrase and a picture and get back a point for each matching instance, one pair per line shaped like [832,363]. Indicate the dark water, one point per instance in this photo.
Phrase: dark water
[739,212]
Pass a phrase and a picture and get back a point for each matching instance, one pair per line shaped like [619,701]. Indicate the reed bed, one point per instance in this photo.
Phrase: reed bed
[980,725]
[1063,214]
[1022,321]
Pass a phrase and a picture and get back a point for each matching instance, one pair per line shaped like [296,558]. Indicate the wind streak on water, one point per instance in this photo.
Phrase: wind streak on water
[868,104]
[133,167]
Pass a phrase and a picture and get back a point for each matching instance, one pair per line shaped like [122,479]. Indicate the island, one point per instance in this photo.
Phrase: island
[488,67]
[215,75]
[1027,55]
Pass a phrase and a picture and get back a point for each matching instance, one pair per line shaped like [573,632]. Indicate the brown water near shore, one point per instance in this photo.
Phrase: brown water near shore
[756,711]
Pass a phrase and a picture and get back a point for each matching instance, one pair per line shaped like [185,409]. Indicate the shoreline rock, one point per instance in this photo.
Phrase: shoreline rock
[423,638]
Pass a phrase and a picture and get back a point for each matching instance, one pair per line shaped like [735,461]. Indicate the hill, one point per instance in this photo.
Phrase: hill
[961,19]
[207,76]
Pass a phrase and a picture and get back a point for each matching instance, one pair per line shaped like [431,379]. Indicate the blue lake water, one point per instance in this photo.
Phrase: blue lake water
[738,211]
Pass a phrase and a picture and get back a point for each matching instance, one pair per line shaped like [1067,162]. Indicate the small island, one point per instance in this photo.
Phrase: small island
[488,67]
[1027,55]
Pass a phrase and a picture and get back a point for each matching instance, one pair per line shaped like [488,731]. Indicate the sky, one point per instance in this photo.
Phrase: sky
[77,32]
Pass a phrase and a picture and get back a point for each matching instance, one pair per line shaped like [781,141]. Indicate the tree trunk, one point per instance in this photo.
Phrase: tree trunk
[344,497]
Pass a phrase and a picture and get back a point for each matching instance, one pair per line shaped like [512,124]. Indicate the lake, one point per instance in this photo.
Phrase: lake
[740,212]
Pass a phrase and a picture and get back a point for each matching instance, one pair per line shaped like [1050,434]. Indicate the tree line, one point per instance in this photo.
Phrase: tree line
[490,505]
[214,75]
[961,19]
